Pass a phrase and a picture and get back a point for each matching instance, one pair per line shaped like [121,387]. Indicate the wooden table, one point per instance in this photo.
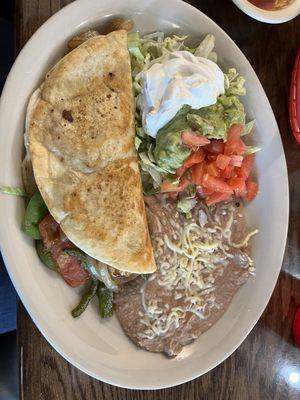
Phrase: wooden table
[265,366]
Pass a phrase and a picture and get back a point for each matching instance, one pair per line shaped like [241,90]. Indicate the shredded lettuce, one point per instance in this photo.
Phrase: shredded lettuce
[186,205]
[134,45]
[248,128]
[251,150]
[154,170]
[206,47]
[14,190]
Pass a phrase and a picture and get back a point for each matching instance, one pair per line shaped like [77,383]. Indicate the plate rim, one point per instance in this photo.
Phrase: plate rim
[42,326]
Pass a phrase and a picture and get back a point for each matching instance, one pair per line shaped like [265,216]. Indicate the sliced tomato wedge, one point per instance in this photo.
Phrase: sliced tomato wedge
[192,140]
[222,161]
[197,173]
[233,139]
[211,169]
[236,160]
[216,184]
[69,267]
[215,146]
[238,186]
[180,171]
[217,197]
[245,170]
[252,189]
[195,158]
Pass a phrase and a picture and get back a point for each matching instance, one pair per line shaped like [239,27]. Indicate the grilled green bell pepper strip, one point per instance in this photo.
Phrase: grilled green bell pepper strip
[105,297]
[45,256]
[36,210]
[85,299]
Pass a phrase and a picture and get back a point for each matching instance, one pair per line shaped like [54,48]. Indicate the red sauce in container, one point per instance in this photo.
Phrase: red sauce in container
[271,5]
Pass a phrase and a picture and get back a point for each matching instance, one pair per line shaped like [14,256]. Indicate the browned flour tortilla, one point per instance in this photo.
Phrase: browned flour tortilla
[176,305]
[80,128]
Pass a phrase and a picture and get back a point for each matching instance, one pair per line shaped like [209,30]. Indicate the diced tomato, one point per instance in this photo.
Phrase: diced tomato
[167,186]
[197,173]
[236,160]
[252,189]
[71,270]
[180,171]
[222,161]
[233,139]
[212,169]
[211,157]
[195,158]
[246,167]
[216,184]
[238,185]
[215,146]
[204,192]
[192,140]
[240,147]
[217,197]
[228,172]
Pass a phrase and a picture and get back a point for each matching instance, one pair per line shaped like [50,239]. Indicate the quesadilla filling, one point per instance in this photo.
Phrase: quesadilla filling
[195,167]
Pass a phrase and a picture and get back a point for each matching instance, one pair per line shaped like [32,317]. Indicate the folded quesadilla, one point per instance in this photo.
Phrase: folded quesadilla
[80,132]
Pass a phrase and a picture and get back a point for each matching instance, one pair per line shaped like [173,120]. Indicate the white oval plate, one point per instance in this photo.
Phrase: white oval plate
[101,349]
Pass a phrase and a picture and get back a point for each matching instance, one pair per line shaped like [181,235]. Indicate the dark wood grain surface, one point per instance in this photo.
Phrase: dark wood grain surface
[267,363]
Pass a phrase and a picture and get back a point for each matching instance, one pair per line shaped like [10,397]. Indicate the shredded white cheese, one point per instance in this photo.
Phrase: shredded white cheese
[187,269]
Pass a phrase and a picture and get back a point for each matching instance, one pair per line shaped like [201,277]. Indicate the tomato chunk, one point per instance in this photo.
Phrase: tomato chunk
[192,140]
[252,189]
[240,147]
[228,172]
[204,192]
[211,157]
[217,197]
[236,160]
[222,161]
[197,173]
[215,146]
[233,139]
[194,158]
[167,186]
[246,167]
[211,169]
[238,186]
[216,184]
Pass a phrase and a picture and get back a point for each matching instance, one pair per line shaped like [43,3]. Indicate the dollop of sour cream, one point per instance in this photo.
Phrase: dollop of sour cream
[181,79]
